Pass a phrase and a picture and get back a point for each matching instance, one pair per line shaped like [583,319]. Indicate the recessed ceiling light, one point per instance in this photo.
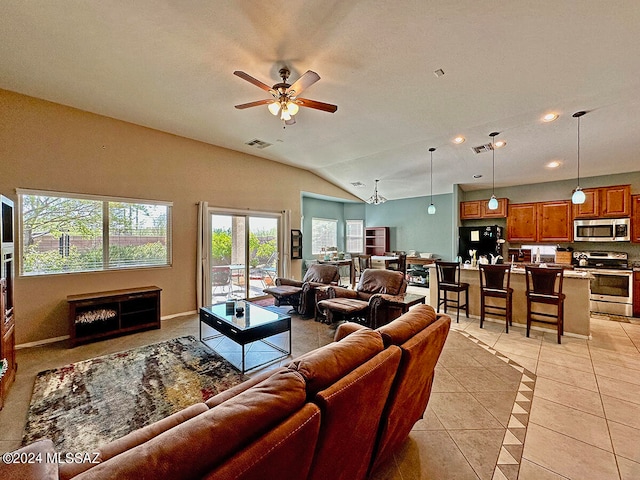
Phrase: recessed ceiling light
[500,144]
[553,164]
[459,139]
[477,175]
[550,117]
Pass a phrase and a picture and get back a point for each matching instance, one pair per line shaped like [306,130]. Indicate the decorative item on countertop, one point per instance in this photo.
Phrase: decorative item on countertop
[474,260]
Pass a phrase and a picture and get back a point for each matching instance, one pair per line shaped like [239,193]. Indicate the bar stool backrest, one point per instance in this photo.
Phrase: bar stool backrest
[544,280]
[448,273]
[493,276]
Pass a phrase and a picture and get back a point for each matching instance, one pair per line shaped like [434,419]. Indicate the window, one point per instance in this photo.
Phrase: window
[324,234]
[355,235]
[80,233]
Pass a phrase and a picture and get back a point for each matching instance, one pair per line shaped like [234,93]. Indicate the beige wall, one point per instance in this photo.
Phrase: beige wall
[47,146]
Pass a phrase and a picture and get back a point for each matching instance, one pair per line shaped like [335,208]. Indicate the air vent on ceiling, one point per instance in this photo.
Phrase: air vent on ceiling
[358,184]
[487,147]
[258,143]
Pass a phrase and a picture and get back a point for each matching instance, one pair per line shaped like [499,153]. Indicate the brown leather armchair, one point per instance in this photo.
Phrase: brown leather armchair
[373,303]
[301,294]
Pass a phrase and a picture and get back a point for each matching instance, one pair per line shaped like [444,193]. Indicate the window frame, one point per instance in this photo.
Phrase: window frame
[318,219]
[348,237]
[106,200]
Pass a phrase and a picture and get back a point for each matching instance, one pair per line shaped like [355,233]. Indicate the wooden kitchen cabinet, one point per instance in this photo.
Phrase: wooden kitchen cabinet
[470,210]
[478,209]
[635,218]
[522,222]
[540,222]
[554,221]
[611,202]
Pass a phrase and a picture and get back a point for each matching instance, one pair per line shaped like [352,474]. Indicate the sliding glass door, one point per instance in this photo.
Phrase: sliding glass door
[244,256]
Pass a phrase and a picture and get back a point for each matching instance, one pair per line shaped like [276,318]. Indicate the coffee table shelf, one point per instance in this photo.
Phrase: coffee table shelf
[256,324]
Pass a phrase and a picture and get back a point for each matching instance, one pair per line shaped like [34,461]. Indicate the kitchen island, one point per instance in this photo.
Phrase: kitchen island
[576,288]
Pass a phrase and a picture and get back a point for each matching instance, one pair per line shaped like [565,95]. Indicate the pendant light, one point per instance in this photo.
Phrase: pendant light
[578,196]
[493,201]
[376,199]
[432,208]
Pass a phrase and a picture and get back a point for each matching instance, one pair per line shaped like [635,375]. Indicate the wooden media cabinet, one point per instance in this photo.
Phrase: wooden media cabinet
[95,316]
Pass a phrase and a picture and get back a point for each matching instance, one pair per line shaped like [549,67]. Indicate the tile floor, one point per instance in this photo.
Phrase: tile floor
[503,406]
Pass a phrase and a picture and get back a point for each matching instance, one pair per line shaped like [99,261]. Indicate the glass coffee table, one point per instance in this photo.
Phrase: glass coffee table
[256,324]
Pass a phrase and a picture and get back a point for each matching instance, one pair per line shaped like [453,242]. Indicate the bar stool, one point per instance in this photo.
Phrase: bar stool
[494,283]
[544,285]
[449,281]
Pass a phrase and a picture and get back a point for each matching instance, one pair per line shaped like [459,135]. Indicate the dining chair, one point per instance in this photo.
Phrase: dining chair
[544,286]
[449,282]
[495,282]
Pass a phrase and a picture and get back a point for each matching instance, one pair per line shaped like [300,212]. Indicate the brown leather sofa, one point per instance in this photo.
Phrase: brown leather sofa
[301,294]
[372,303]
[336,412]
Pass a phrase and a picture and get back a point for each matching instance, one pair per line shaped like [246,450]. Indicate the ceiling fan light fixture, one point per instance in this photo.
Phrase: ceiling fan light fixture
[285,115]
[292,108]
[274,108]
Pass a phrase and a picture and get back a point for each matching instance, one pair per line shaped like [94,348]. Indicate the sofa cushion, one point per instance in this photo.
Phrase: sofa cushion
[325,365]
[381,281]
[193,448]
[406,326]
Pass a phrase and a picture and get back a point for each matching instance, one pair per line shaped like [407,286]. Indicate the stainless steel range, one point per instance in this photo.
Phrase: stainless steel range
[612,282]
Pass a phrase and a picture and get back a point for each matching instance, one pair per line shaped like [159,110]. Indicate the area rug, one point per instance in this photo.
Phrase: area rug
[90,403]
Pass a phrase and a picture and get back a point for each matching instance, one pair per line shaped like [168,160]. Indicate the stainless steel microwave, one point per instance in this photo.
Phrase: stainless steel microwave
[602,230]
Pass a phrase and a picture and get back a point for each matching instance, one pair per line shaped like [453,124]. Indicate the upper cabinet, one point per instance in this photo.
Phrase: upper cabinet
[522,222]
[612,202]
[554,221]
[540,222]
[478,209]
[635,219]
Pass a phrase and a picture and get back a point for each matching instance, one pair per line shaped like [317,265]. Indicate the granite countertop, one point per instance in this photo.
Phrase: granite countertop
[518,269]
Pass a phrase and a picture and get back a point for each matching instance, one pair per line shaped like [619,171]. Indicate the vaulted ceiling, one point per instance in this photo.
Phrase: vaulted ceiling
[169,65]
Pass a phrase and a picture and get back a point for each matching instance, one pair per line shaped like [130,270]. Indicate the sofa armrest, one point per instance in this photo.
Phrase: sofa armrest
[33,464]
[345,329]
[288,281]
[385,297]
[341,292]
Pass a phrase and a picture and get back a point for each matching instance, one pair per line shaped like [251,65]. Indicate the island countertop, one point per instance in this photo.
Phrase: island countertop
[576,287]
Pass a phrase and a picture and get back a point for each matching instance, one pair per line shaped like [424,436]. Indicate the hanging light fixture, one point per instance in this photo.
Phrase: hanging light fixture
[578,196]
[376,199]
[432,208]
[493,201]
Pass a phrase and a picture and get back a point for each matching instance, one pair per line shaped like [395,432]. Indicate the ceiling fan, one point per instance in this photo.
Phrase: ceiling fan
[285,101]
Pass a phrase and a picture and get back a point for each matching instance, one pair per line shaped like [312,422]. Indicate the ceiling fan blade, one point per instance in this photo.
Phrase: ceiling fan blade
[254,104]
[255,81]
[325,107]
[305,81]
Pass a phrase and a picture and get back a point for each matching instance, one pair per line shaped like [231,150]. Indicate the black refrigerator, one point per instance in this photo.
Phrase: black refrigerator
[485,240]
